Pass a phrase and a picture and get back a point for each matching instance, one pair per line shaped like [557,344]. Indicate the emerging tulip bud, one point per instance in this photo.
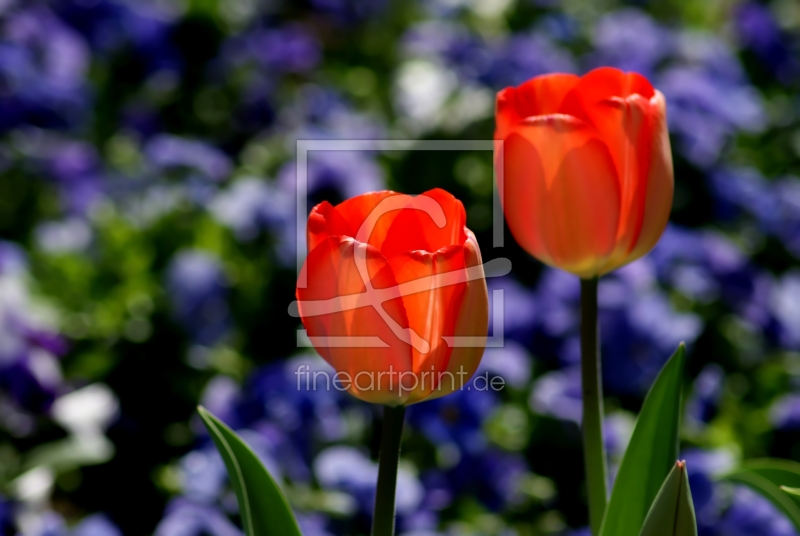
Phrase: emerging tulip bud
[395,297]
[586,168]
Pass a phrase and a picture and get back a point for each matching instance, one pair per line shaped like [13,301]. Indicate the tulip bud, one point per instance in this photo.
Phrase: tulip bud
[391,284]
[585,168]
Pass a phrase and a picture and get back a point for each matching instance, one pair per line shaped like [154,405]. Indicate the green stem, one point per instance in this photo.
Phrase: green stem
[383,517]
[594,451]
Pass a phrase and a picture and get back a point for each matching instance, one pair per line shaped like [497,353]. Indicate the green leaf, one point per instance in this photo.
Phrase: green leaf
[672,513]
[651,453]
[791,491]
[776,480]
[262,505]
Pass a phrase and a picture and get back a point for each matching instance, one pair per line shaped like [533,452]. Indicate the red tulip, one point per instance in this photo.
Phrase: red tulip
[586,168]
[391,279]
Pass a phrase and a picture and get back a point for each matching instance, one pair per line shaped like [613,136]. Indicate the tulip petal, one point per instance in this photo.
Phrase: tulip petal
[660,182]
[414,228]
[334,284]
[324,222]
[538,96]
[356,210]
[620,106]
[561,193]
[473,321]
[432,305]
[601,84]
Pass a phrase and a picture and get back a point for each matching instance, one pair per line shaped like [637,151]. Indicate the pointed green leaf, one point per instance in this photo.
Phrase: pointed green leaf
[651,453]
[775,480]
[262,505]
[791,491]
[779,472]
[672,513]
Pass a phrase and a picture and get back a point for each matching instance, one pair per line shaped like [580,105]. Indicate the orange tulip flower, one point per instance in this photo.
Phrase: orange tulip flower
[393,295]
[585,168]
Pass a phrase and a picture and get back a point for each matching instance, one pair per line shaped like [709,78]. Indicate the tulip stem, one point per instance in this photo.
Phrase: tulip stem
[594,451]
[389,457]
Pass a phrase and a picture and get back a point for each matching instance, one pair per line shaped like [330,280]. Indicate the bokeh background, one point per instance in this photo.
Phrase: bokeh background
[147,257]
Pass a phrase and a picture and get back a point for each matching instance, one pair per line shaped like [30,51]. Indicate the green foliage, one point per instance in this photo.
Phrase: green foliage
[776,480]
[652,450]
[262,505]
[672,513]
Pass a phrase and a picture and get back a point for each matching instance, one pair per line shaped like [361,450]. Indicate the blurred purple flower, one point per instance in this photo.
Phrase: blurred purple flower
[759,31]
[198,291]
[718,266]
[638,338]
[295,396]
[631,40]
[580,532]
[186,518]
[501,474]
[348,469]
[7,511]
[774,205]
[203,475]
[560,27]
[43,66]
[66,236]
[617,431]
[736,189]
[76,168]
[64,55]
[332,176]
[13,260]
[47,523]
[558,394]
[557,300]
[250,204]
[788,192]
[495,63]
[785,305]
[710,98]
[433,37]
[468,463]
[313,525]
[111,26]
[221,396]
[512,363]
[785,412]
[704,467]
[96,525]
[703,401]
[167,152]
[455,420]
[695,282]
[524,56]
[347,173]
[320,113]
[639,328]
[351,11]
[31,381]
[712,55]
[519,308]
[30,374]
[288,48]
[750,514]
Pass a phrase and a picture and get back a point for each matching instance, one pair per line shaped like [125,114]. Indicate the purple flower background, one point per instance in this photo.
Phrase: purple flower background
[148,244]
